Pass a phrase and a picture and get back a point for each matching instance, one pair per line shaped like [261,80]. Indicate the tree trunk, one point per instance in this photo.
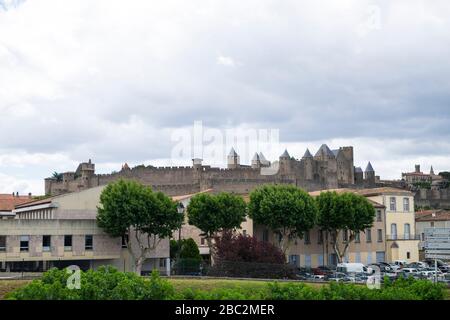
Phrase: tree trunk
[138,265]
[211,251]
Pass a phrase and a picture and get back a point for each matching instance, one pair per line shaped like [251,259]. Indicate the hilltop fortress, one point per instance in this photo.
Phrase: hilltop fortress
[327,169]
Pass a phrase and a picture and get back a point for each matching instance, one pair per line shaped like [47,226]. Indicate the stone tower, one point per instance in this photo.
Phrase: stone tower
[233,159]
[359,176]
[256,161]
[309,165]
[285,163]
[369,174]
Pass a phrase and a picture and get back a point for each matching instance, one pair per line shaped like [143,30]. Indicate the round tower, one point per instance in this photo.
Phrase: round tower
[233,159]
[309,165]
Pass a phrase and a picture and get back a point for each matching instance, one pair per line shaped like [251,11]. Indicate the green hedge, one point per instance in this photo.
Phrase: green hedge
[109,284]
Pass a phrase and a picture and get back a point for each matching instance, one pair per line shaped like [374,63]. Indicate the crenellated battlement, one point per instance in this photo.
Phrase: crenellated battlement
[326,169]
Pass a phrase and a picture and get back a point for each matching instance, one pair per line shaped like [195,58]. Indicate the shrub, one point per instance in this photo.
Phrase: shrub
[105,284]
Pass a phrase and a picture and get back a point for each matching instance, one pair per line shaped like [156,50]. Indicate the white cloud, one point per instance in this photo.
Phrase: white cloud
[226,61]
[110,80]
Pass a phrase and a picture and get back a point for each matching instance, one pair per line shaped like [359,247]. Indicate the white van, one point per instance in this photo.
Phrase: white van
[351,268]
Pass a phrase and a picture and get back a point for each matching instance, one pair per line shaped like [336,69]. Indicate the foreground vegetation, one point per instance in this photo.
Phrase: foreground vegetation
[109,284]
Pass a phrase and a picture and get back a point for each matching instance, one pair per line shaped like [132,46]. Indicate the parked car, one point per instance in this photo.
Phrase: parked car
[382,267]
[400,263]
[411,271]
[417,265]
[394,267]
[322,270]
[317,277]
[340,277]
[351,268]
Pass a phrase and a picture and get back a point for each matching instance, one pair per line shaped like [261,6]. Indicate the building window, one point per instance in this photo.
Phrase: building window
[244,233]
[2,243]
[394,231]
[162,263]
[379,219]
[393,205]
[308,260]
[423,236]
[68,243]
[294,260]
[202,241]
[265,236]
[88,242]
[368,235]
[432,224]
[380,235]
[407,228]
[24,243]
[406,204]
[357,237]
[307,237]
[125,238]
[408,255]
[46,243]
[345,236]
[320,237]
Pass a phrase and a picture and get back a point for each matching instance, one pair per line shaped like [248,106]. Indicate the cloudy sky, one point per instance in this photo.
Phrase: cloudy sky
[112,80]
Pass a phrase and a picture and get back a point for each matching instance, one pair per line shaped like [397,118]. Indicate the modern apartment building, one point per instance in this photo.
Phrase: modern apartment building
[62,231]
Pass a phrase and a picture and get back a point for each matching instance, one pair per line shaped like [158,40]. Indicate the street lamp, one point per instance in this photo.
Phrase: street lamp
[181,209]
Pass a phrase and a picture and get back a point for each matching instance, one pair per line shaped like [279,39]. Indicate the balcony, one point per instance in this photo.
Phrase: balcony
[402,237]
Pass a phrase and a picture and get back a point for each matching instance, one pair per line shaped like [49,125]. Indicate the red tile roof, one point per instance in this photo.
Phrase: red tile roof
[433,215]
[8,201]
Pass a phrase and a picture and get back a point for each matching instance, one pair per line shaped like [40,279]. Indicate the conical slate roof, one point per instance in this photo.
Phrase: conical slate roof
[261,157]
[325,150]
[285,154]
[232,153]
[369,168]
[358,170]
[307,154]
[256,157]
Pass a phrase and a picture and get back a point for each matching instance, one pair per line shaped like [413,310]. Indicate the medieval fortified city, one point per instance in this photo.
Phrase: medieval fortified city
[220,159]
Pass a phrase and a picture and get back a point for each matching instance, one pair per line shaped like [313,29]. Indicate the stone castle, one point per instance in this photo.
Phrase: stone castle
[327,169]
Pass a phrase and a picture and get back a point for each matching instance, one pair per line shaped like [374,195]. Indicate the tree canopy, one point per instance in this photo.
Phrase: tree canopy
[286,210]
[215,213]
[130,208]
[345,212]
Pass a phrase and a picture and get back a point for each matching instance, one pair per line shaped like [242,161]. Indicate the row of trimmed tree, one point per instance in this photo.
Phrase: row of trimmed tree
[130,210]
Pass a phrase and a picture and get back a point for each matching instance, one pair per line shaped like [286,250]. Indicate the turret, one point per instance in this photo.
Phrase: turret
[369,174]
[263,160]
[233,160]
[256,161]
[359,176]
[309,163]
[432,171]
[285,162]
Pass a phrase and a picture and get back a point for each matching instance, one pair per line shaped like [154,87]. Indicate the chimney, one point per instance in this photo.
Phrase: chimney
[417,168]
[29,195]
[13,194]
[17,194]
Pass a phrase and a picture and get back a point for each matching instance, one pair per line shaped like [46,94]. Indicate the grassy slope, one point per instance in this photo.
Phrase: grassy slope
[10,285]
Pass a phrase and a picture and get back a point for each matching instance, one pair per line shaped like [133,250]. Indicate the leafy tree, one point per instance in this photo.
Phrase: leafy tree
[187,256]
[215,213]
[445,175]
[345,213]
[287,210]
[57,176]
[240,248]
[130,210]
